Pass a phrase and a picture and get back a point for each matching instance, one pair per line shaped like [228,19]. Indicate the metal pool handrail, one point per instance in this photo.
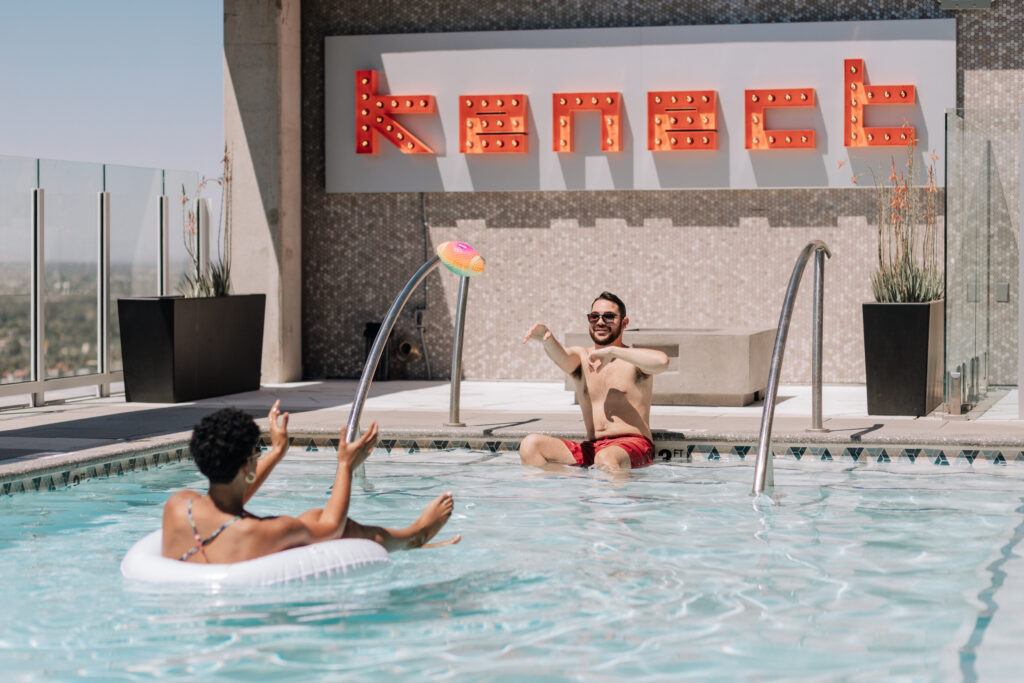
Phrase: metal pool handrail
[370,367]
[763,471]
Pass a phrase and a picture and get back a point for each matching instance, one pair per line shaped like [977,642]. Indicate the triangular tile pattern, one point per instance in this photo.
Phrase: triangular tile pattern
[681,451]
[741,451]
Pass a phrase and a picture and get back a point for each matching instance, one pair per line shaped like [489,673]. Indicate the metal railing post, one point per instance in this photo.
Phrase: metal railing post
[163,246]
[202,209]
[38,297]
[460,325]
[103,294]
[816,358]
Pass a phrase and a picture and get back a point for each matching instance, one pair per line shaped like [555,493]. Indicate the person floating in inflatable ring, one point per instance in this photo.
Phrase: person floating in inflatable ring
[216,529]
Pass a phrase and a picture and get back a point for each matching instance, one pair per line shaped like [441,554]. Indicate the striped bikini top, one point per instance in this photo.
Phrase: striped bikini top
[201,543]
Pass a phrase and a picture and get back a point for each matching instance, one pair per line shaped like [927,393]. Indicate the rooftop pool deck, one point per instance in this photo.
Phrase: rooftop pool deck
[60,443]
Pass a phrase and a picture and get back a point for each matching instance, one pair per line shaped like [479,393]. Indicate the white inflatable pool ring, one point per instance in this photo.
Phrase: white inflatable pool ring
[143,562]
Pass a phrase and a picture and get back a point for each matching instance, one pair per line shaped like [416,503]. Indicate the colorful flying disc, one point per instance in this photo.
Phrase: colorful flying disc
[460,258]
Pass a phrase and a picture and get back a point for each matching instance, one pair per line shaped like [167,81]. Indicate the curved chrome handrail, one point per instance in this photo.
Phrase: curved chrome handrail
[372,358]
[763,471]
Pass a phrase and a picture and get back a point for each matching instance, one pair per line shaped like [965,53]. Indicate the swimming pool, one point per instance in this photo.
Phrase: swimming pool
[672,571]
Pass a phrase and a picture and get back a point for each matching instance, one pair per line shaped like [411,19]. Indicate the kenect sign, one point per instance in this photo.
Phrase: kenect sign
[747,106]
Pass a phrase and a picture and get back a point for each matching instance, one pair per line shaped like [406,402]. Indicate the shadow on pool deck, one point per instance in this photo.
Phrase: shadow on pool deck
[80,423]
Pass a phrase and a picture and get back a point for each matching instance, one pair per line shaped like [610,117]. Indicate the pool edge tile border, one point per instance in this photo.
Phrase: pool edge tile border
[55,471]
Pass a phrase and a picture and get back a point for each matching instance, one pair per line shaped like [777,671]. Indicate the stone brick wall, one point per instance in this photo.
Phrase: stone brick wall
[678,258]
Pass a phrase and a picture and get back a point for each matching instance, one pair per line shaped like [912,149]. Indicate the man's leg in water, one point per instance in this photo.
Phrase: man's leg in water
[613,458]
[539,450]
[416,535]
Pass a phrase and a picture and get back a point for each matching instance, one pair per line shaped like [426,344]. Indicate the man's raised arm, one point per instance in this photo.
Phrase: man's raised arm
[650,361]
[568,362]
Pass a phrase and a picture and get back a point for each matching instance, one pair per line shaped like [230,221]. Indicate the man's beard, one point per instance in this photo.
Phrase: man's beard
[613,334]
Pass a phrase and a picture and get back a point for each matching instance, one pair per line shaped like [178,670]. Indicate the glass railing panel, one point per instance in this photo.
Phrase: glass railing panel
[17,179]
[982,235]
[134,240]
[1000,362]
[181,188]
[71,254]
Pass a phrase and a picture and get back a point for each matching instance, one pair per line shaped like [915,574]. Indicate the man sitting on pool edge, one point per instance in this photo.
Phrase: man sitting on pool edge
[225,447]
[614,384]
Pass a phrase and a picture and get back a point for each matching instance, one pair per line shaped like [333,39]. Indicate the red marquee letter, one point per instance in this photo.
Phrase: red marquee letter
[860,95]
[564,107]
[493,124]
[682,119]
[760,137]
[374,115]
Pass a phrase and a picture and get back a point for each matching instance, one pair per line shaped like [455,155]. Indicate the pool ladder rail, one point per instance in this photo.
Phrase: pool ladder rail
[465,262]
[764,475]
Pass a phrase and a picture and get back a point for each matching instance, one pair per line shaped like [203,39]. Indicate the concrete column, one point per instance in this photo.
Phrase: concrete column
[262,113]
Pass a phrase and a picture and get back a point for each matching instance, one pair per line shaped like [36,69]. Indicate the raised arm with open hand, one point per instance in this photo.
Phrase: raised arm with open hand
[567,360]
[330,521]
[278,425]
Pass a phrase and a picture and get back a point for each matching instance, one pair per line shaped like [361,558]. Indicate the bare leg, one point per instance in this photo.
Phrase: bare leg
[613,458]
[416,535]
[540,450]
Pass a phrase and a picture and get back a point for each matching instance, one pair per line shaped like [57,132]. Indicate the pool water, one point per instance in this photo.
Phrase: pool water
[673,571]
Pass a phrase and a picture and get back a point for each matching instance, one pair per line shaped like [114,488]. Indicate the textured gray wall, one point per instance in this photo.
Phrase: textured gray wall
[680,258]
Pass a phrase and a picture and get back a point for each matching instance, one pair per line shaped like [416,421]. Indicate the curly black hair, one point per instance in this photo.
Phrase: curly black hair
[222,442]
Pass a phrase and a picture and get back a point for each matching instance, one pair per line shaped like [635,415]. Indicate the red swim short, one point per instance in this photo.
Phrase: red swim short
[639,447]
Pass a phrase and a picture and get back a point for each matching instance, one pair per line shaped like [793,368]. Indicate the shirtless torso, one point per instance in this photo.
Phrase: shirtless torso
[615,396]
[614,384]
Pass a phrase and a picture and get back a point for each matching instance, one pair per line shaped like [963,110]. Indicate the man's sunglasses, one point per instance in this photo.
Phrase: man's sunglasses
[607,316]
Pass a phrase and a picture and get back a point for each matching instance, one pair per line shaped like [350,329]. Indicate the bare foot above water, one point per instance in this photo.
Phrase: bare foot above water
[430,521]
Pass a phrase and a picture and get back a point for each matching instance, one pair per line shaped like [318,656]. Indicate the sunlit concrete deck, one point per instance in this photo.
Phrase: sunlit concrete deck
[94,429]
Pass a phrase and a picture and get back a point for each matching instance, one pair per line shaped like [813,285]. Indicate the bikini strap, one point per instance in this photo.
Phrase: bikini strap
[200,542]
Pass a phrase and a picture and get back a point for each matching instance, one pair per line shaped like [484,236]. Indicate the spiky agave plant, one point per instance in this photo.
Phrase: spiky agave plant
[908,269]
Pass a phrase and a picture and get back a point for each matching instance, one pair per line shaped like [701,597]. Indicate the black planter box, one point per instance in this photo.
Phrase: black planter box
[176,349]
[903,347]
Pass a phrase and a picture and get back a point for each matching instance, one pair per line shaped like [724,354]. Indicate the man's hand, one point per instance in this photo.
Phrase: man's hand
[278,431]
[601,357]
[354,454]
[538,331]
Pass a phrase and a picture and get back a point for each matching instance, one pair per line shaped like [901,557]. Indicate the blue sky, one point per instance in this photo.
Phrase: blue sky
[133,82]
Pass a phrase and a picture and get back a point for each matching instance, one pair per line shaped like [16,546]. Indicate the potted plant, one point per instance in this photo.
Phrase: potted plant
[205,342]
[904,325]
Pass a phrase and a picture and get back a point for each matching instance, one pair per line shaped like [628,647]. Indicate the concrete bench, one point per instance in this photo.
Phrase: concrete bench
[714,367]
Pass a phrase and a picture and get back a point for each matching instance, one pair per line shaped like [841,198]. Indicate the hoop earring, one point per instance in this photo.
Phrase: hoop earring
[250,478]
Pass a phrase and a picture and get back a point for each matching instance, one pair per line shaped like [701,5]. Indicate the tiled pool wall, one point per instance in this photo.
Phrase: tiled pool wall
[72,474]
[713,452]
[683,258]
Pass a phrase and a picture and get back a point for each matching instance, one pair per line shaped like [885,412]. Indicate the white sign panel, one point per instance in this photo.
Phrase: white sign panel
[729,61]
